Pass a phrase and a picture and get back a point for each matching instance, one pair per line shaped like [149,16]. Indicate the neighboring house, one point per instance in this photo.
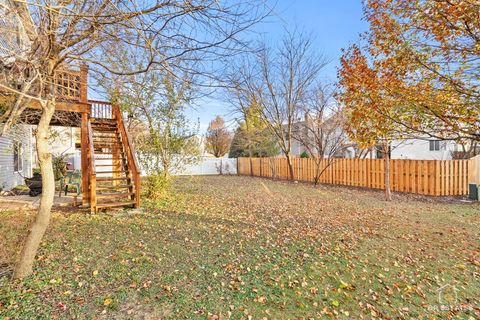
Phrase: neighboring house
[16,157]
[330,132]
[422,149]
[419,149]
[415,148]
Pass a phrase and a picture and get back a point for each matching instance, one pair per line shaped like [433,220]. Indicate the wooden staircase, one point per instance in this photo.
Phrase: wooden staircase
[114,178]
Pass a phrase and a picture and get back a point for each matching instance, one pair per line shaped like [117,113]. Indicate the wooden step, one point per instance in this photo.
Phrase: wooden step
[110,158]
[112,172]
[114,195]
[109,152]
[101,179]
[93,119]
[104,136]
[106,145]
[104,188]
[104,129]
[115,204]
[102,122]
[96,125]
[106,165]
[105,141]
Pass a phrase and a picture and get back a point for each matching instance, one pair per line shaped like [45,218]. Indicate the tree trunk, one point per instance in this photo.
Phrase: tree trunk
[317,171]
[290,166]
[388,192]
[272,165]
[39,226]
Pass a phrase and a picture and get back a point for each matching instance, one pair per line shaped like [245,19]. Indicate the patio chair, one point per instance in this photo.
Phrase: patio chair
[71,179]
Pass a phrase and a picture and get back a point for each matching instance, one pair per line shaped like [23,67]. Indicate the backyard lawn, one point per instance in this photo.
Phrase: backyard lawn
[253,248]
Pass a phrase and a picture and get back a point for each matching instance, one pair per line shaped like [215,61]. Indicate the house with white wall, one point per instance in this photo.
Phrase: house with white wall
[64,141]
[18,155]
[424,149]
[412,148]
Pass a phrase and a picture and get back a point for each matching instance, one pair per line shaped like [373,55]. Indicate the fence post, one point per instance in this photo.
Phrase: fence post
[474,172]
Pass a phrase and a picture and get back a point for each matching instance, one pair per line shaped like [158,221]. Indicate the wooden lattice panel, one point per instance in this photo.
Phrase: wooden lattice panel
[67,85]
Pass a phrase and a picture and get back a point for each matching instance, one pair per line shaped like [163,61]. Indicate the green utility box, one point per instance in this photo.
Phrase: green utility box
[473,191]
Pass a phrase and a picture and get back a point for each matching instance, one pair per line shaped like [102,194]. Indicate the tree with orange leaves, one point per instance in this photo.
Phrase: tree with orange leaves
[218,138]
[417,71]
[432,51]
[369,111]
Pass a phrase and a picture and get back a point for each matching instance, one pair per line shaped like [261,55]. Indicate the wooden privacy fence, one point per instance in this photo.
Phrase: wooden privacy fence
[428,177]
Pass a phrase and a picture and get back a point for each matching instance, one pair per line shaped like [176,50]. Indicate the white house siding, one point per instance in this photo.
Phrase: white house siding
[413,149]
[418,149]
[8,178]
[64,144]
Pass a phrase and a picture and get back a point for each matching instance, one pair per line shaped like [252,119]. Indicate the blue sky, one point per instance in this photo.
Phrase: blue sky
[334,25]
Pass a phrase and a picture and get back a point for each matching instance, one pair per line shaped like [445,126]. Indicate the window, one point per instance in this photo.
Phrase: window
[17,157]
[434,145]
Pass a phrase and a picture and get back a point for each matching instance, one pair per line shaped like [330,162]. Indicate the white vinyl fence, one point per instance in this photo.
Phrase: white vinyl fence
[211,166]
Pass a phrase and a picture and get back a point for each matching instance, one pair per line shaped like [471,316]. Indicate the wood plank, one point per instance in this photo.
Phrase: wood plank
[435,185]
[411,176]
[425,177]
[80,107]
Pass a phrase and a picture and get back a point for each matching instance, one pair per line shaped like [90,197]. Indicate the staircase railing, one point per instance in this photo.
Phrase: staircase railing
[92,171]
[130,152]
[101,109]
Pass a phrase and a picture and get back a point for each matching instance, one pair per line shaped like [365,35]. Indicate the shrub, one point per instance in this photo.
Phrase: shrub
[304,154]
[157,187]
[59,163]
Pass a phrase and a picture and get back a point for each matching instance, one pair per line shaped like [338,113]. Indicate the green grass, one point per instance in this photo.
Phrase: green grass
[239,247]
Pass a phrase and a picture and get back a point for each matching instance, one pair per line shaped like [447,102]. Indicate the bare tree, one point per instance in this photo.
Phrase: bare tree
[321,133]
[285,77]
[38,39]
[218,138]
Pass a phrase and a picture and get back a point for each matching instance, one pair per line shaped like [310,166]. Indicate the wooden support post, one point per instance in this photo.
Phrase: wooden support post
[85,159]
[83,82]
[93,193]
